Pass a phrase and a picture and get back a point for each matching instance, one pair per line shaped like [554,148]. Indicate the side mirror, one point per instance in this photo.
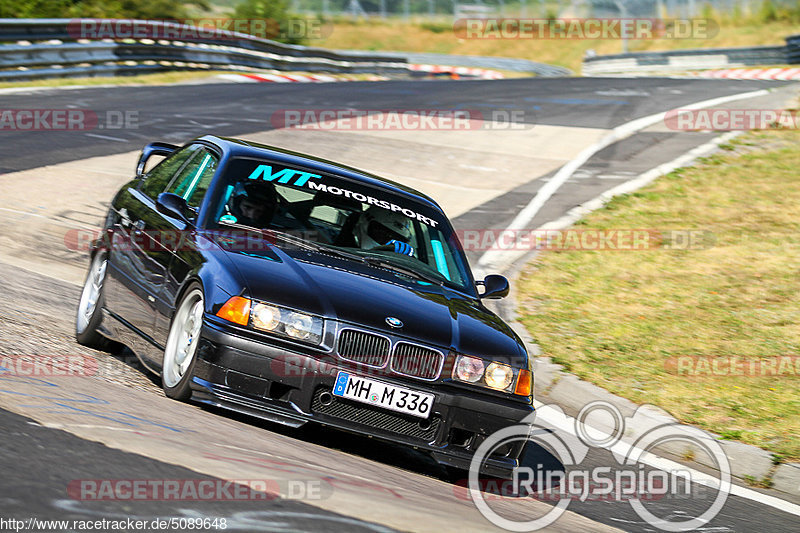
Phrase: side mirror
[155,148]
[495,287]
[173,206]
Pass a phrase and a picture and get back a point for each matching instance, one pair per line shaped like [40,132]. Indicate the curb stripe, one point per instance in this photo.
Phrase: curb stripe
[781,74]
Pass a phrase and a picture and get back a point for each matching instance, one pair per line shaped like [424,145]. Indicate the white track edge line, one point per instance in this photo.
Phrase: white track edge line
[567,425]
[495,258]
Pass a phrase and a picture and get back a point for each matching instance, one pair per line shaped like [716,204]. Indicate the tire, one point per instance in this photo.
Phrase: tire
[181,350]
[89,313]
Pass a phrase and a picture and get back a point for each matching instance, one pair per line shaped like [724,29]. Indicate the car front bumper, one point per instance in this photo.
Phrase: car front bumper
[286,386]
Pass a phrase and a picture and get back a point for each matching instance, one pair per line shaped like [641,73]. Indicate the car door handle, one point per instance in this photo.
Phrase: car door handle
[138,226]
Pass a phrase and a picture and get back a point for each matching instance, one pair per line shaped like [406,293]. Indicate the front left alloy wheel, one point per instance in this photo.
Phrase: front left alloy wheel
[90,307]
[184,335]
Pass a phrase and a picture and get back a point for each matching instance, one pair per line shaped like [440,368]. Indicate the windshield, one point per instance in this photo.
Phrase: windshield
[332,213]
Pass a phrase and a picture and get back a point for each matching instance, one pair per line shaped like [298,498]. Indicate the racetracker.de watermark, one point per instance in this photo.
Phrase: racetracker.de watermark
[67,120]
[199,29]
[201,523]
[84,240]
[472,240]
[724,366]
[402,119]
[584,28]
[198,489]
[731,119]
[293,366]
[480,240]
[48,366]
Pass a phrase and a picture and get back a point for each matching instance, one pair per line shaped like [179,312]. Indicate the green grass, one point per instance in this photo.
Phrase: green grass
[162,78]
[617,318]
[397,35]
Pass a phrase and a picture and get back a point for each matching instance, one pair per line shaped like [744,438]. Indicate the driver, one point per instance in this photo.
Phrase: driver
[254,203]
[378,227]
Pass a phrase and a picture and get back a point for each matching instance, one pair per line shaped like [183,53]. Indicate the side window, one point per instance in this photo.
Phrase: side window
[159,177]
[192,181]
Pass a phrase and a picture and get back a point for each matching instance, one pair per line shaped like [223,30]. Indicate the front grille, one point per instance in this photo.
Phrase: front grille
[362,347]
[416,361]
[375,417]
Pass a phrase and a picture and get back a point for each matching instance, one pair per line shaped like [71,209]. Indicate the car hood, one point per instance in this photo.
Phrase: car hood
[360,294]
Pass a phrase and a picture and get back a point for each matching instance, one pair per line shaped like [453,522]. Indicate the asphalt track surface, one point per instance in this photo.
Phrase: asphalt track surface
[39,488]
[179,113]
[46,445]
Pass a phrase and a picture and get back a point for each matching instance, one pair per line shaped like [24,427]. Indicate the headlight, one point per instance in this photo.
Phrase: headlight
[266,317]
[499,376]
[274,319]
[303,327]
[469,369]
[492,375]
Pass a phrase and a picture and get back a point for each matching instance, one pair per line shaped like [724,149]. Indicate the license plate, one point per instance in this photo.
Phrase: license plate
[384,395]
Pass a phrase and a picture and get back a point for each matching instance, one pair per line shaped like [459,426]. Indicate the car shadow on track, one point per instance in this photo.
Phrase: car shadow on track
[406,458]
[534,456]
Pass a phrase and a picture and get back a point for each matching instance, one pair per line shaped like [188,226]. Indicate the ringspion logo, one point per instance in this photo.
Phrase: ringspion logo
[628,479]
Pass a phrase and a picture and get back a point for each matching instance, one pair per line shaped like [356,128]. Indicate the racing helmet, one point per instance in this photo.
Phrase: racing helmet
[377,226]
[254,203]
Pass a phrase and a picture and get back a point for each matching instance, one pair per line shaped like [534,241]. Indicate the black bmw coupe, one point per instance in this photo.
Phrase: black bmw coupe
[298,290]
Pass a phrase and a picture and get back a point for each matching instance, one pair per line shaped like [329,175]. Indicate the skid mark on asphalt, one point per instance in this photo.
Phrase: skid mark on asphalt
[261,520]
[63,402]
[359,487]
[271,465]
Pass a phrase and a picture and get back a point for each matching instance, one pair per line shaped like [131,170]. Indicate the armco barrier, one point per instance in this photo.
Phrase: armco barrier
[44,48]
[793,49]
[682,60]
[36,30]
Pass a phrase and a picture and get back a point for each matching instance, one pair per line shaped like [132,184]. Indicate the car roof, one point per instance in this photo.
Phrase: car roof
[243,148]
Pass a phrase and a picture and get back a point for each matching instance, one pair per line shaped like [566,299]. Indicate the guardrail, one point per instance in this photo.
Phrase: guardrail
[793,49]
[134,56]
[45,48]
[40,51]
[682,60]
